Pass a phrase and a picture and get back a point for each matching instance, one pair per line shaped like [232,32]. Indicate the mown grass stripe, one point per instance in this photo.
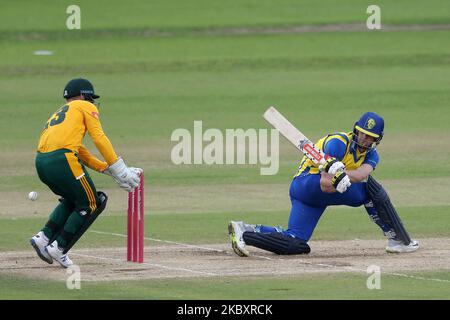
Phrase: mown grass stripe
[319,63]
[207,31]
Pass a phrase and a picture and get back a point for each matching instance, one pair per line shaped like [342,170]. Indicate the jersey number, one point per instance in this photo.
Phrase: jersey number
[59,117]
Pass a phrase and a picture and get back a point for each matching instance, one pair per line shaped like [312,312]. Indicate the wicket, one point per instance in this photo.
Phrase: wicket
[135,226]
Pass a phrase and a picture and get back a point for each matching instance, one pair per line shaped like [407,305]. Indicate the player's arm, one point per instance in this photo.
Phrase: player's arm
[365,169]
[99,138]
[360,174]
[334,149]
[127,178]
[330,183]
[90,160]
[325,182]
[332,177]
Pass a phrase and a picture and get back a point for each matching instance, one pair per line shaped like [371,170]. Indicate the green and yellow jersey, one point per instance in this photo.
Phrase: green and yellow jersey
[66,128]
[339,145]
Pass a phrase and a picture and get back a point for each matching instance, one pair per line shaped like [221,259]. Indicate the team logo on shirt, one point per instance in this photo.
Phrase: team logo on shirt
[94,114]
[370,123]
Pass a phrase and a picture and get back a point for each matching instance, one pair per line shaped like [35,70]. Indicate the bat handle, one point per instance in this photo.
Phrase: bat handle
[312,152]
[303,142]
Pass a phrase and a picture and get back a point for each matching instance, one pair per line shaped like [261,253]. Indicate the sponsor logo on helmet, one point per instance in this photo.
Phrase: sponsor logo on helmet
[370,123]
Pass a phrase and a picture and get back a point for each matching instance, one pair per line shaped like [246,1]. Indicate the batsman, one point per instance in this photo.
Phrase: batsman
[344,179]
[61,163]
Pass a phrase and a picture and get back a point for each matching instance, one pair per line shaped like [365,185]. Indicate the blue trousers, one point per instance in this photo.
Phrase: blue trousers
[309,202]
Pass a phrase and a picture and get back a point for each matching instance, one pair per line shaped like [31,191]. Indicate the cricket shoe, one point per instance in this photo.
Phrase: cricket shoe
[39,242]
[236,229]
[396,246]
[57,254]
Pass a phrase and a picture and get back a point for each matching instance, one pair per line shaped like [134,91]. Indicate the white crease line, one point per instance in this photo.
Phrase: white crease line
[358,270]
[144,263]
[397,274]
[414,277]
[365,271]
[279,259]
[266,258]
[164,241]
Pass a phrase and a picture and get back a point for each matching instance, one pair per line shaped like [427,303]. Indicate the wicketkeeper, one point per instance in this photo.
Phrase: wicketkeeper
[61,163]
[352,157]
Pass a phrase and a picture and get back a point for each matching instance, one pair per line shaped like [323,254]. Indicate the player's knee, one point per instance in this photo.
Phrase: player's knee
[84,212]
[297,246]
[101,203]
[277,243]
[357,195]
[93,208]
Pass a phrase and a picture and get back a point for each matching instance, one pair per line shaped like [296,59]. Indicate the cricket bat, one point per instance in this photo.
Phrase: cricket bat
[294,136]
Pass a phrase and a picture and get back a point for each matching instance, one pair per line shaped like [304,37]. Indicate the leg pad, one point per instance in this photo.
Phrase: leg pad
[276,242]
[89,220]
[385,210]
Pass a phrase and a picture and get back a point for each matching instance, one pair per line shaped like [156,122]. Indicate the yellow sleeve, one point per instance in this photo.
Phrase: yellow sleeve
[90,160]
[101,141]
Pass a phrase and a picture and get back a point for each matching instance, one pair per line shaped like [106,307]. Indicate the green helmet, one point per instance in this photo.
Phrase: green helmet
[79,86]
